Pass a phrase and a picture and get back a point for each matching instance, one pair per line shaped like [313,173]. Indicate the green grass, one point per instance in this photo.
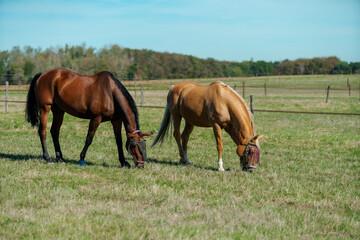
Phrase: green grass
[306,187]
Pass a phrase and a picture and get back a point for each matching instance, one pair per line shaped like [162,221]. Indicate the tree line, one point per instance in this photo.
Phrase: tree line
[18,66]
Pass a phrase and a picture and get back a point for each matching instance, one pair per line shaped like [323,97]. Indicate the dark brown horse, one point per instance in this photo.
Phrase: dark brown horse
[217,106]
[100,98]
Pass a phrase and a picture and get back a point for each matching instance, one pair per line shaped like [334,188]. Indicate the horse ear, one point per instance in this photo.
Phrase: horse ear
[257,137]
[146,133]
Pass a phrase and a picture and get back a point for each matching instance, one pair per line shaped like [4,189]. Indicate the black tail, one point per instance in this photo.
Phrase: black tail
[32,108]
[164,127]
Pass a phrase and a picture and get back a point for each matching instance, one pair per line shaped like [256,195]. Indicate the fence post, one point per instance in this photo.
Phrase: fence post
[135,87]
[280,79]
[265,88]
[252,104]
[142,95]
[327,93]
[349,90]
[6,96]
[235,87]
[244,89]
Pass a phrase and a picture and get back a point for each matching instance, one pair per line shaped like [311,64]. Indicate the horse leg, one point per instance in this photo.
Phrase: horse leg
[94,124]
[185,139]
[176,121]
[58,116]
[44,112]
[117,131]
[219,145]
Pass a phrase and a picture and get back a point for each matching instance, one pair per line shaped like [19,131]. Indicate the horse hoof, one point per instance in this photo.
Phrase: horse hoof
[82,163]
[221,170]
[125,164]
[60,160]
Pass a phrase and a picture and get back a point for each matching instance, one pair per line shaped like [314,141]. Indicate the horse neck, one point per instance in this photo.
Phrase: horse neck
[129,122]
[242,119]
[126,112]
[242,127]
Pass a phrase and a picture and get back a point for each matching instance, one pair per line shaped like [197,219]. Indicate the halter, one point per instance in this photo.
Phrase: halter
[142,146]
[246,155]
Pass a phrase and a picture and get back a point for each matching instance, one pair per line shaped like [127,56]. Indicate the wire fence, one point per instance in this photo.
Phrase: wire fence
[152,94]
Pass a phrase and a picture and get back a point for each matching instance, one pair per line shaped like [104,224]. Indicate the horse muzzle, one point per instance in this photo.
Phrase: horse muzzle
[141,146]
[139,164]
[248,168]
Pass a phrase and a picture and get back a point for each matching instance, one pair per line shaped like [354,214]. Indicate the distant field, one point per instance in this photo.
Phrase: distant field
[306,187]
[297,93]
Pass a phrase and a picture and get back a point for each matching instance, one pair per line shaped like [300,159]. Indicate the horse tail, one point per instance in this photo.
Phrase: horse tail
[164,127]
[32,108]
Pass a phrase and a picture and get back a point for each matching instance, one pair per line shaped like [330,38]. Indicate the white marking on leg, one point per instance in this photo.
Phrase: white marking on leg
[220,162]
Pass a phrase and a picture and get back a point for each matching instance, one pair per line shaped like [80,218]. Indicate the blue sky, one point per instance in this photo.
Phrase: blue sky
[233,30]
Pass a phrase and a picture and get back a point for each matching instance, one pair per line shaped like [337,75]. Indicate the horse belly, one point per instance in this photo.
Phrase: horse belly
[195,116]
[85,106]
[73,110]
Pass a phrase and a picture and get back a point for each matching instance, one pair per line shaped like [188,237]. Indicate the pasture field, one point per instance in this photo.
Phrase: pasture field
[306,187]
[299,93]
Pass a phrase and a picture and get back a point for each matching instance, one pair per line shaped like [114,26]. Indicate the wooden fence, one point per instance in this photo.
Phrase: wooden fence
[134,86]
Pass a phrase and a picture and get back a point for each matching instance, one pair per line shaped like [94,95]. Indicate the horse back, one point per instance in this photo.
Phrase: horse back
[79,95]
[200,105]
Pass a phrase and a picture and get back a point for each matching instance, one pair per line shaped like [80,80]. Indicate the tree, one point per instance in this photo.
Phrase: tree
[286,67]
[342,68]
[8,77]
[355,67]
[4,55]
[147,64]
[29,68]
[132,71]
[246,68]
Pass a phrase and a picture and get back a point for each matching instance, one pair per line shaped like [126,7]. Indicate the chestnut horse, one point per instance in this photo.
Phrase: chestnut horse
[100,98]
[217,106]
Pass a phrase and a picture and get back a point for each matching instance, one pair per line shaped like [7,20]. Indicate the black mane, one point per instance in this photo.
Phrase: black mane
[128,97]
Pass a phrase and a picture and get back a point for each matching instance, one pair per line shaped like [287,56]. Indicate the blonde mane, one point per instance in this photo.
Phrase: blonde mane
[251,115]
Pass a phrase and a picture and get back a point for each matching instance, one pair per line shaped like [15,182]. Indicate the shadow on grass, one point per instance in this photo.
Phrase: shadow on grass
[152,160]
[19,157]
[29,157]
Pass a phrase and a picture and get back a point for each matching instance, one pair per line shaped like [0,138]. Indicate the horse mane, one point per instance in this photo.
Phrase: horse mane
[128,97]
[251,115]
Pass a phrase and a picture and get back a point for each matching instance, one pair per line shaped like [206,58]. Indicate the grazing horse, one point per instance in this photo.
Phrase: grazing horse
[100,98]
[217,106]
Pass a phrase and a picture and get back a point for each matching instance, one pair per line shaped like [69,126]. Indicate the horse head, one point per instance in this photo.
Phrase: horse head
[136,146]
[251,154]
